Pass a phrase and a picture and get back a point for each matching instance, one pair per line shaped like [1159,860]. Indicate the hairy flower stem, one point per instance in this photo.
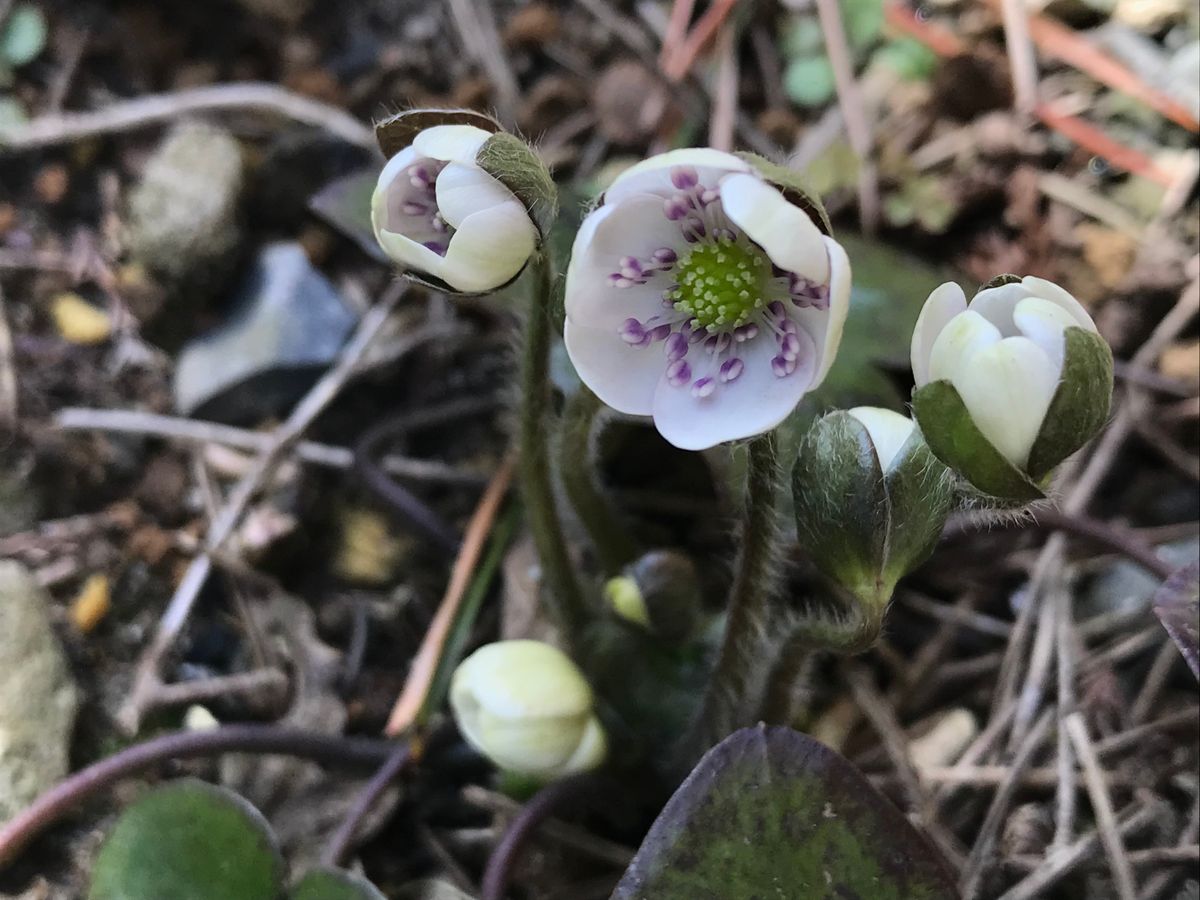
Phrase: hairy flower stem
[577,467]
[562,593]
[736,687]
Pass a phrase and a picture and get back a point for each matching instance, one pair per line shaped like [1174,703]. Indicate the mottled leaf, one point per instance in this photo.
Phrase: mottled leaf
[1177,604]
[189,840]
[334,884]
[770,812]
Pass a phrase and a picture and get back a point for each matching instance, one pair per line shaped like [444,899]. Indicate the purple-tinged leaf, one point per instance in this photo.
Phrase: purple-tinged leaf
[1177,604]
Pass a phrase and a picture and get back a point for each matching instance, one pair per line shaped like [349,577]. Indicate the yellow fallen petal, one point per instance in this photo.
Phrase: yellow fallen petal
[78,321]
[92,603]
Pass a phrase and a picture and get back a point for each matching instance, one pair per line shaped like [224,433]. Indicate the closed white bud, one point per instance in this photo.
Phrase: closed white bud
[441,215]
[527,707]
[1009,385]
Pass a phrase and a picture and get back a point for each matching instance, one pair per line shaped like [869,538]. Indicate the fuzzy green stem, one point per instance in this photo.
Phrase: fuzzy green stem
[563,593]
[736,688]
[614,546]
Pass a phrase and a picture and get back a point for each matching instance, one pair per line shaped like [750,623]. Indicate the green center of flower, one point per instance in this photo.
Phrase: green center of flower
[721,284]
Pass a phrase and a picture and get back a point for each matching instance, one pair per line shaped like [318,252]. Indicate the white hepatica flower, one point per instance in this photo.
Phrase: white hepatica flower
[527,707]
[1003,353]
[889,432]
[437,213]
[699,295]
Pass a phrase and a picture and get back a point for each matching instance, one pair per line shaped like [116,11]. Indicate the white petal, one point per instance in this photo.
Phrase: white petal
[635,227]
[1043,322]
[825,326]
[520,678]
[409,254]
[454,143]
[889,431]
[653,175]
[946,301]
[997,305]
[489,248]
[624,377]
[755,402]
[592,749]
[962,338]
[383,185]
[1007,389]
[533,746]
[464,189]
[784,230]
[1048,290]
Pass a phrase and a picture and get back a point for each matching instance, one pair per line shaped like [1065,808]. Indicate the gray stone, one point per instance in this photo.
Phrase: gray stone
[183,210]
[288,323]
[38,699]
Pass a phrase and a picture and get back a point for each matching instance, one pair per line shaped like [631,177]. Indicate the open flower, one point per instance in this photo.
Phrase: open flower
[439,214]
[699,294]
[528,708]
[1009,385]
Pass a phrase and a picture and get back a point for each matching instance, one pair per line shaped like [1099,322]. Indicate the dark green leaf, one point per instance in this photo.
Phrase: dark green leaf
[334,884]
[396,132]
[189,840]
[772,813]
[955,440]
[1080,404]
[808,81]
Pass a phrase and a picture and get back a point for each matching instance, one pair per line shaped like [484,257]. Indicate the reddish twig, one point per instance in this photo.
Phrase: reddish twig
[697,39]
[54,805]
[1095,141]
[941,41]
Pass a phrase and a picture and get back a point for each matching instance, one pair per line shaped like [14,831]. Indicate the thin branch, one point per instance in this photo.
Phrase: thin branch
[54,805]
[1106,821]
[196,431]
[154,109]
[222,526]
[1020,55]
[989,831]
[851,104]
[8,371]
[340,845]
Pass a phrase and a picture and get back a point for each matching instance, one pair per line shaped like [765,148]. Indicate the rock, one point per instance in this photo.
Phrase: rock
[287,324]
[182,214]
[38,699]
[1123,586]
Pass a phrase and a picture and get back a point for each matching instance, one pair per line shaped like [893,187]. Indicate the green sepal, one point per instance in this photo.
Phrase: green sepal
[395,133]
[921,494]
[1000,281]
[793,186]
[955,439]
[842,507]
[1080,405]
[513,163]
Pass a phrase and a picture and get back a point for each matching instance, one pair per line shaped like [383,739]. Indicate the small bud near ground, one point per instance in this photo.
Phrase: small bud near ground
[460,204]
[527,707]
[1010,385]
[870,499]
[660,591]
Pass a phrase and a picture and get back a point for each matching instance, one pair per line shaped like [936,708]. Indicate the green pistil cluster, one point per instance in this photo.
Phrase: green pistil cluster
[721,284]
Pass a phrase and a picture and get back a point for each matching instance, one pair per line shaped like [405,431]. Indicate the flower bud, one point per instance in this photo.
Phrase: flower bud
[526,706]
[1010,385]
[660,592]
[460,205]
[871,500]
